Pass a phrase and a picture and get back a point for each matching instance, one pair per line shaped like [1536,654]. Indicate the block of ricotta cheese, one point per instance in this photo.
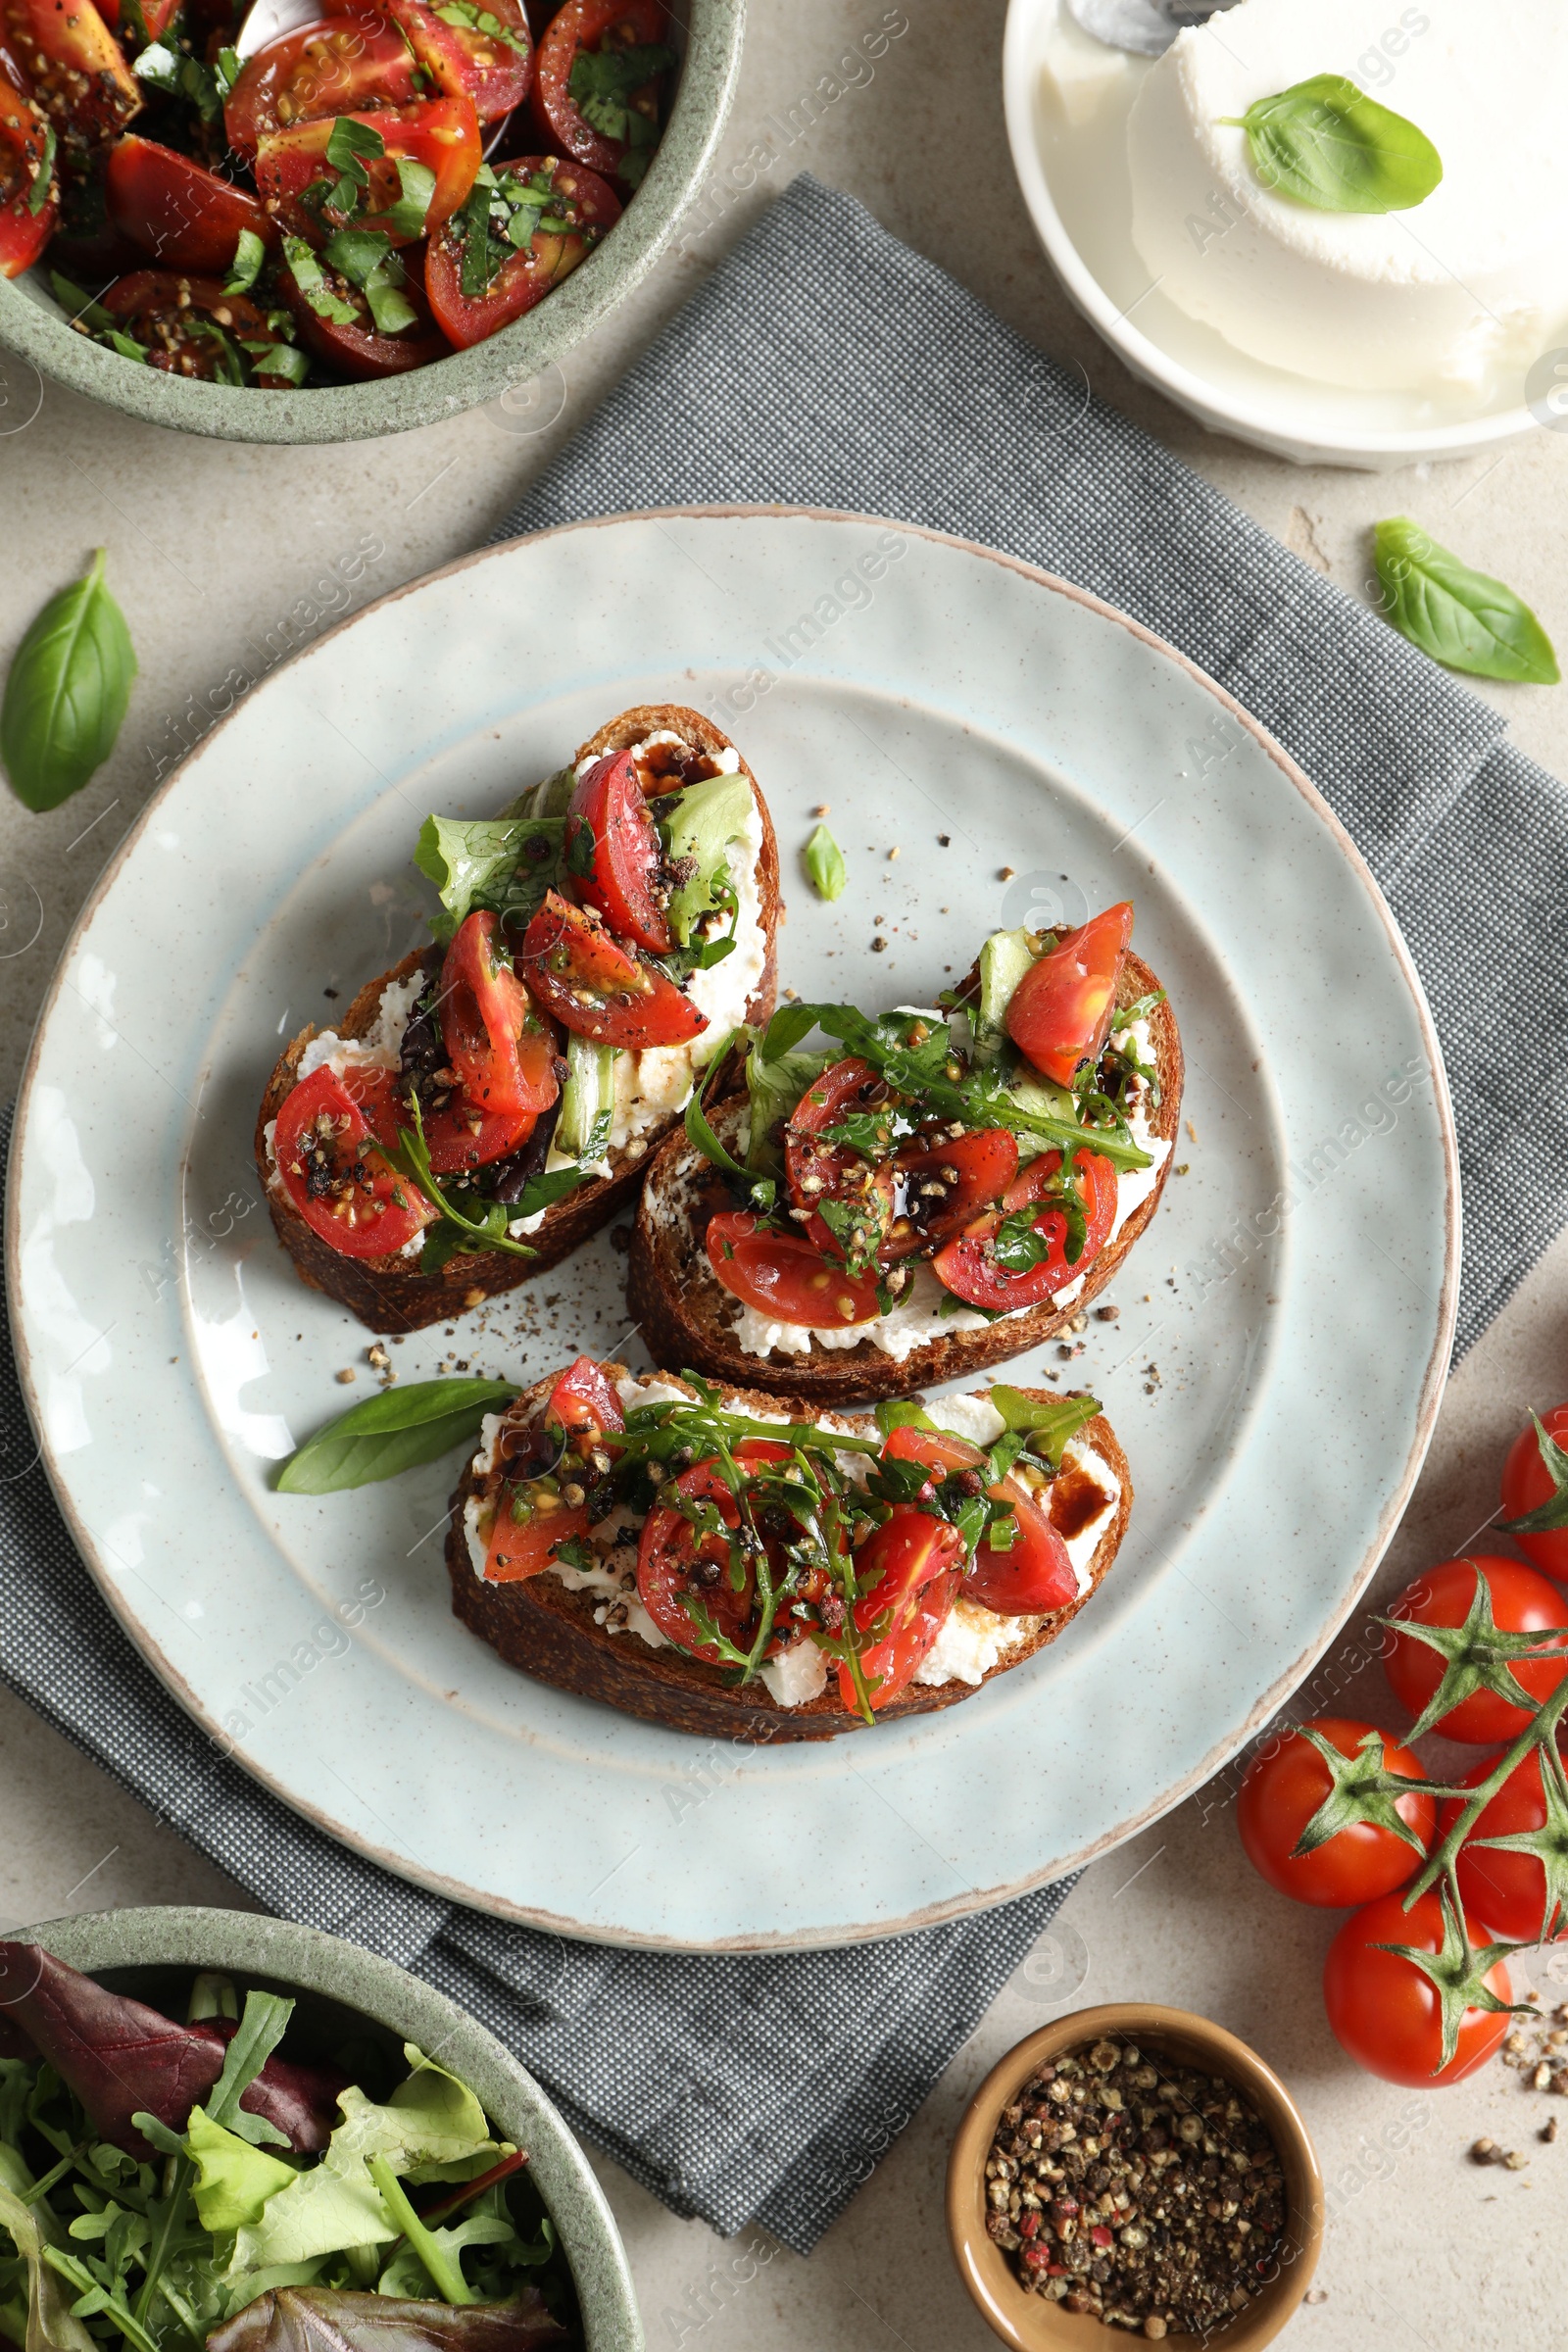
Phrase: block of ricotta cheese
[1457,295]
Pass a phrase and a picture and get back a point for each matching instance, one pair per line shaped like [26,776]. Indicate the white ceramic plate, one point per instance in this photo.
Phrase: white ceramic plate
[923,688]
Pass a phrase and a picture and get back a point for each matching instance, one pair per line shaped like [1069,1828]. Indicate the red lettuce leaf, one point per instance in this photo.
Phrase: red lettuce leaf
[324,2319]
[120,2057]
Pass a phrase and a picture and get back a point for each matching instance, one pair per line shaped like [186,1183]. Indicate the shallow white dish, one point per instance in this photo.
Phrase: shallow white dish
[1074,184]
[922,688]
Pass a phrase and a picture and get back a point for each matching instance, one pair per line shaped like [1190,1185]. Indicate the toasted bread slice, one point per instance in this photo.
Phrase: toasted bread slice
[390,1293]
[687,1317]
[556,1635]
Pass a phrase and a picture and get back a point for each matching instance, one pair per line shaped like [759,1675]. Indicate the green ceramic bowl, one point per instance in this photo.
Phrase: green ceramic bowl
[32,324]
[139,1953]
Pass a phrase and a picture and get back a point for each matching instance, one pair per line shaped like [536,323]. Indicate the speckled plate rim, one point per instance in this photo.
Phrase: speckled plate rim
[33,327]
[1396,1492]
[198,1936]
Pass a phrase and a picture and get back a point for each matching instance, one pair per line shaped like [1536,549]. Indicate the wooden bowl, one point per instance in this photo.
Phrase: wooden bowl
[1031,2324]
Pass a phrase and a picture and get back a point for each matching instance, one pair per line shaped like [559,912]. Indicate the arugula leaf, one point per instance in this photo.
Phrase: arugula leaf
[856,1228]
[249,253]
[762,1190]
[1462,618]
[1325,143]
[410,1157]
[901,1413]
[260,2030]
[51,2325]
[544,1190]
[505,865]
[824,863]
[868,1132]
[394,1431]
[1046,1421]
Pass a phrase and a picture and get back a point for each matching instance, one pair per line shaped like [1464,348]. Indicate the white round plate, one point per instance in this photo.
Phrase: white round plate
[1284,1327]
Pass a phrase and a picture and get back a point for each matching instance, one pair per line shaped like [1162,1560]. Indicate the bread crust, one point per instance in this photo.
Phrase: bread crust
[549,1632]
[388,1294]
[686,1318]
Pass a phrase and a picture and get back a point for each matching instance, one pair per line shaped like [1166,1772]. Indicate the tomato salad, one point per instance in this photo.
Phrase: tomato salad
[958,1164]
[798,1556]
[597,943]
[363,195]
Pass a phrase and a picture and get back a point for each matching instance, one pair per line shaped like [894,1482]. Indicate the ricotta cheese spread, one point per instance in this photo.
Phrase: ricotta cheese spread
[1455,294]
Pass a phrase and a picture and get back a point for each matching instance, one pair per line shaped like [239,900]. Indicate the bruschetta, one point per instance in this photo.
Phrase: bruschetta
[932,1193]
[492,1100]
[720,1562]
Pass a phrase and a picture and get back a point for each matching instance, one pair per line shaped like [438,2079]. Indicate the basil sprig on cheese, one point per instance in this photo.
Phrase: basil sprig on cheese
[1325,143]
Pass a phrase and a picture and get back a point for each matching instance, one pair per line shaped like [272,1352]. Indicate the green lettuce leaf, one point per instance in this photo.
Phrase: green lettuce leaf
[233,2179]
[52,2325]
[504,864]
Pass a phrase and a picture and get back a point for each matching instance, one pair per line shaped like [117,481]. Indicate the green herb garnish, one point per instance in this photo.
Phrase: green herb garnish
[1461,618]
[67,693]
[824,863]
[1325,143]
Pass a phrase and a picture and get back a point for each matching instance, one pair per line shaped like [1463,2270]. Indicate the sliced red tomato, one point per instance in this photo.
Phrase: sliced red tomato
[184,216]
[495,1037]
[476,49]
[945,1186]
[156,16]
[582,1399]
[604,111]
[460,1137]
[336,1178]
[786,1277]
[442,134]
[1508,1890]
[910,1566]
[74,69]
[1061,1010]
[825,1171]
[1529,1484]
[188,324]
[970,1268]
[28,189]
[1521,1601]
[356,345]
[357,60]
[1385,2011]
[597,989]
[1033,1576]
[672,1562]
[478,281]
[530,1521]
[613,854]
[1285,1784]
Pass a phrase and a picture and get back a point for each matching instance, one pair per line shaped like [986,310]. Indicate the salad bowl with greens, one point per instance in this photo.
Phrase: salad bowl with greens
[220,2134]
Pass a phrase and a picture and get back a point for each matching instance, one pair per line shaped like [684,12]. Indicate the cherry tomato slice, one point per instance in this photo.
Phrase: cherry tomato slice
[174,315]
[1061,1010]
[1509,1890]
[910,1565]
[188,217]
[786,1277]
[1286,1782]
[1522,1601]
[357,346]
[27,210]
[76,70]
[672,1561]
[480,50]
[528,1525]
[443,135]
[582,1399]
[945,1186]
[580,199]
[1527,1483]
[460,1137]
[501,1049]
[336,1178]
[613,854]
[1384,2011]
[597,989]
[1032,1578]
[836,1172]
[969,1266]
[613,129]
[356,59]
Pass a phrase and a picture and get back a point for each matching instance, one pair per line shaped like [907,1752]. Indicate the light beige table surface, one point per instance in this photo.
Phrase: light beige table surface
[216,550]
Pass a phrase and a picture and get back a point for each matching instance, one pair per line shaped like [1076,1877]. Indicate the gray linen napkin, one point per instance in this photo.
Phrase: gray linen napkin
[755,2089]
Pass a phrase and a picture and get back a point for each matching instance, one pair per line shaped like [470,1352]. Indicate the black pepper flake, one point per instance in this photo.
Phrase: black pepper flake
[1137,2191]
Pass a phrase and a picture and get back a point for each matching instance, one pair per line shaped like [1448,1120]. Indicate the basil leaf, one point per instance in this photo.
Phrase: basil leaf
[357,253]
[390,307]
[351,145]
[465,15]
[43,174]
[1459,617]
[901,1413]
[1325,143]
[311,279]
[1048,1421]
[249,255]
[179,75]
[543,1192]
[392,1432]
[279,359]
[1017,1245]
[417,186]
[824,863]
[66,696]
[602,83]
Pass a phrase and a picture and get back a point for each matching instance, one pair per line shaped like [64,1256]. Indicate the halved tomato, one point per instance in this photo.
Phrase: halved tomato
[1032,1576]
[597,989]
[357,60]
[970,1268]
[531,1520]
[442,136]
[596,92]
[583,1400]
[355,344]
[859,1188]
[476,49]
[613,849]
[1061,1010]
[786,1277]
[910,1566]
[186,216]
[76,70]
[673,1562]
[944,1186]
[480,279]
[188,324]
[496,1040]
[460,1137]
[28,189]
[336,1178]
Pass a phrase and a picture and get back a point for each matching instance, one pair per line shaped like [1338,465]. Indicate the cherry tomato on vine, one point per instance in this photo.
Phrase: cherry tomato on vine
[1385,2011]
[1521,1601]
[1509,1890]
[1061,1010]
[1288,1781]
[1530,1482]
